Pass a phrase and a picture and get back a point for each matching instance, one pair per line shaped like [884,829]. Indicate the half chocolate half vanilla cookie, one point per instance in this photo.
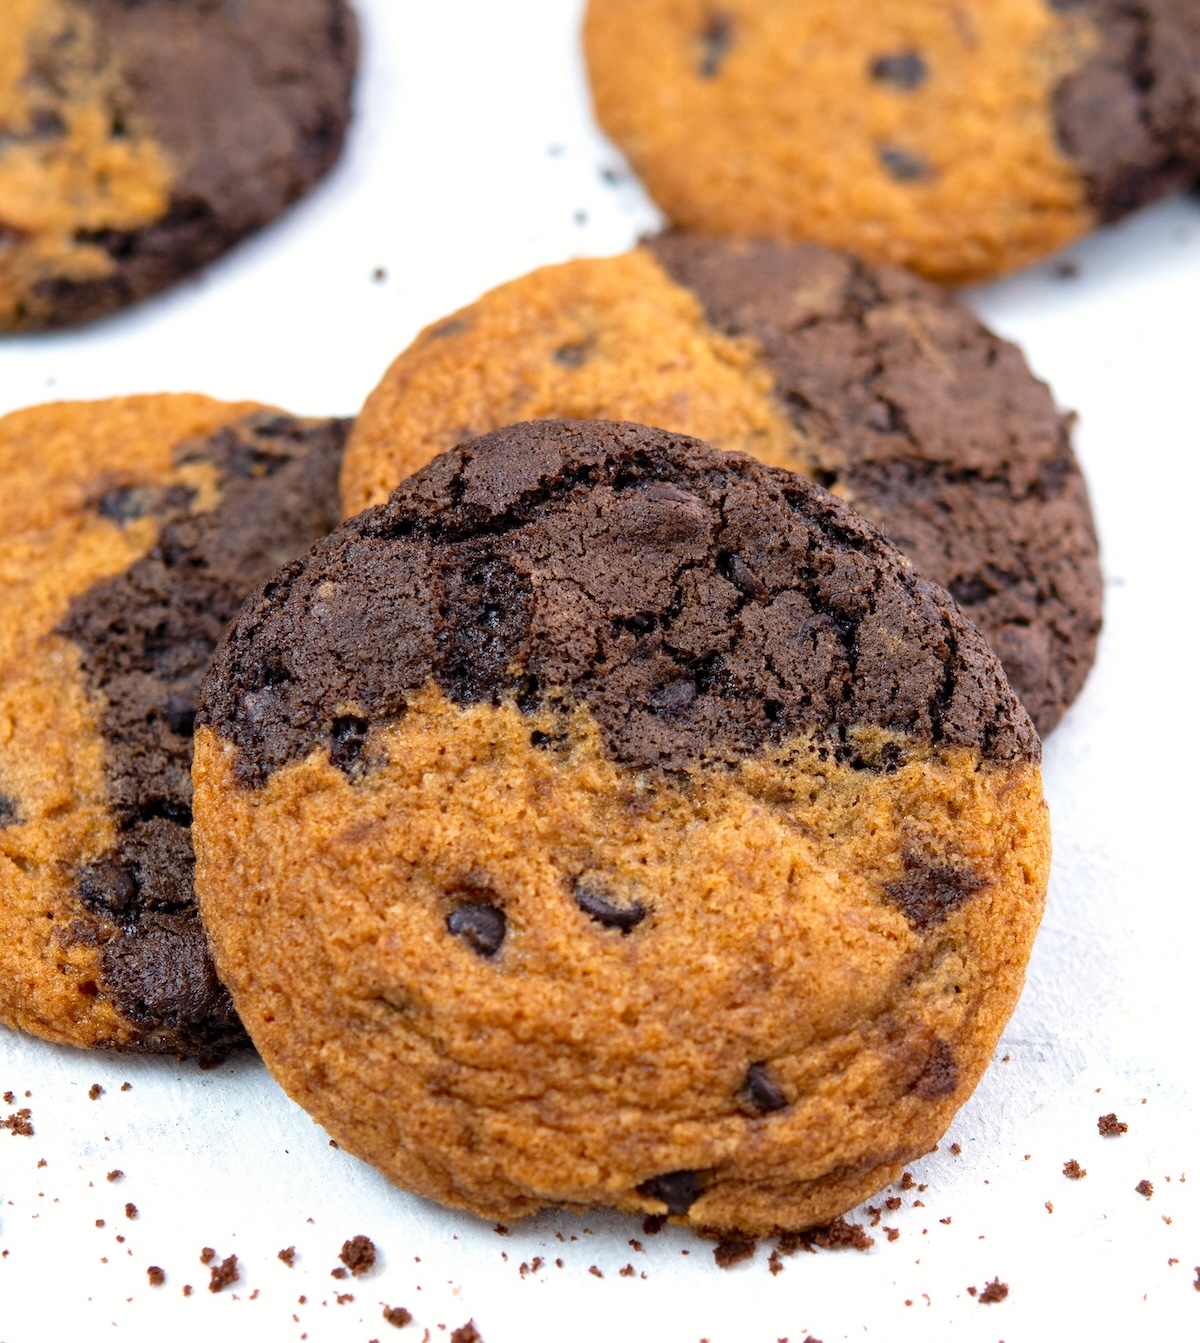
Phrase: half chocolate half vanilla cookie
[130,532]
[611,821]
[868,380]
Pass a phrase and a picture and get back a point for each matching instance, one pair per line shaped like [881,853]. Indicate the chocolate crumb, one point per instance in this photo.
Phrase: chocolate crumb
[156,1275]
[99,1221]
[500,1229]
[467,1334]
[1073,1170]
[358,1254]
[653,1224]
[945,1221]
[207,1255]
[1110,1126]
[838,1235]
[558,1263]
[637,1245]
[993,1292]
[288,1256]
[131,1211]
[1145,1188]
[775,1263]
[114,1175]
[343,1297]
[956,1149]
[223,1274]
[95,1091]
[126,1086]
[628,1271]
[595,1272]
[397,1316]
[187,1289]
[20,1125]
[730,1252]
[338,1273]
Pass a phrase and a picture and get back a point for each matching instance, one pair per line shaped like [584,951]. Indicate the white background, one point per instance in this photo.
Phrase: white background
[474,159]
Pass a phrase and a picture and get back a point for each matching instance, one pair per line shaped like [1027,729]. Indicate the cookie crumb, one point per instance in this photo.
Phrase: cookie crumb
[956,1149]
[131,1211]
[653,1224]
[1110,1126]
[338,1273]
[187,1289]
[207,1255]
[20,1125]
[1145,1188]
[906,1180]
[397,1316]
[288,1256]
[343,1297]
[775,1263]
[839,1235]
[379,274]
[358,1254]
[893,1204]
[730,1252]
[156,1275]
[993,1292]
[1196,1284]
[1073,1170]
[637,1245]
[892,1233]
[467,1333]
[126,1086]
[628,1271]
[945,1221]
[95,1091]
[1049,1206]
[500,1229]
[99,1221]
[223,1274]
[114,1175]
[594,1271]
[42,1162]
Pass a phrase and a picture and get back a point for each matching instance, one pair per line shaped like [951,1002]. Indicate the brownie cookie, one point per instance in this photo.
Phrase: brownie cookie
[139,139]
[867,379]
[610,821]
[962,140]
[130,533]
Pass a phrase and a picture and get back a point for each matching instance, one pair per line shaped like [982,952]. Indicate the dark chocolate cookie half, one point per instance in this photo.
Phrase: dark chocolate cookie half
[139,139]
[131,532]
[631,826]
[959,140]
[867,379]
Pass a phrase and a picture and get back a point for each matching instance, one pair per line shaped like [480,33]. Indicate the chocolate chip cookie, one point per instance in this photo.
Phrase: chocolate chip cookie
[872,382]
[607,820]
[130,532]
[962,140]
[139,139]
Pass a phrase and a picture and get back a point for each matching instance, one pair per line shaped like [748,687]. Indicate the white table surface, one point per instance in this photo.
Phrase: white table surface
[473,159]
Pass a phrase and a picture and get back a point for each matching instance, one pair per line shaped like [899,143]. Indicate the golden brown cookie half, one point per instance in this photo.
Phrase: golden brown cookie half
[867,379]
[130,532]
[607,820]
[962,140]
[141,138]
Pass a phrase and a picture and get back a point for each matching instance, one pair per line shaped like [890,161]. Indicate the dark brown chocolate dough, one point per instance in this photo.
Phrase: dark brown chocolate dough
[596,559]
[1129,117]
[145,639]
[935,430]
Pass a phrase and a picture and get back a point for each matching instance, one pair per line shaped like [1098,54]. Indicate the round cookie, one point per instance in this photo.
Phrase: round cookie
[139,140]
[611,821]
[869,380]
[962,140]
[130,532]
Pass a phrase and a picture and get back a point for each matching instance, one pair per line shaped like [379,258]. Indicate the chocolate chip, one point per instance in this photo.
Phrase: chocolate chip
[181,712]
[929,891]
[763,1090]
[8,811]
[641,624]
[939,1077]
[125,503]
[597,906]
[903,164]
[481,927]
[108,885]
[715,41]
[742,577]
[904,69]
[349,737]
[678,1189]
[573,355]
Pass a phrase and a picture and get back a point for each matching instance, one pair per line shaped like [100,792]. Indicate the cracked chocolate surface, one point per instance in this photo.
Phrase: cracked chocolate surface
[145,639]
[702,607]
[934,429]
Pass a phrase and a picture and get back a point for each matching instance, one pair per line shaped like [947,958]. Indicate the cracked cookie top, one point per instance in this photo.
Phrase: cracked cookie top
[701,605]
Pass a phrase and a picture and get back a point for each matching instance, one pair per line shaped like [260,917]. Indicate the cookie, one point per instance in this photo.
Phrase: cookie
[139,139]
[610,821]
[962,140]
[130,532]
[867,379]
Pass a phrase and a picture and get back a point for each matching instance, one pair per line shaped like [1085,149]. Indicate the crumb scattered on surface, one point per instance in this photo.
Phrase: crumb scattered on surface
[223,1274]
[1110,1126]
[467,1333]
[993,1292]
[594,1271]
[42,1162]
[893,1204]
[775,1263]
[126,1086]
[628,1271]
[653,1224]
[207,1255]
[20,1124]
[500,1229]
[906,1180]
[358,1254]
[730,1252]
[1145,1188]
[187,1289]
[95,1091]
[397,1316]
[338,1273]
[637,1245]
[1196,1271]
[156,1275]
[1049,1206]
[1073,1170]
[892,1232]
[343,1297]
[838,1235]
[114,1175]
[288,1256]
[131,1211]
[99,1221]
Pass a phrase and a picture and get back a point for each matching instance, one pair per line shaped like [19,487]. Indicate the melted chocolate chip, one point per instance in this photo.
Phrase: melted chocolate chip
[108,886]
[939,1077]
[574,355]
[678,1189]
[8,810]
[715,41]
[181,712]
[763,1090]
[481,927]
[928,892]
[598,906]
[903,164]
[904,69]
[742,577]
[349,737]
